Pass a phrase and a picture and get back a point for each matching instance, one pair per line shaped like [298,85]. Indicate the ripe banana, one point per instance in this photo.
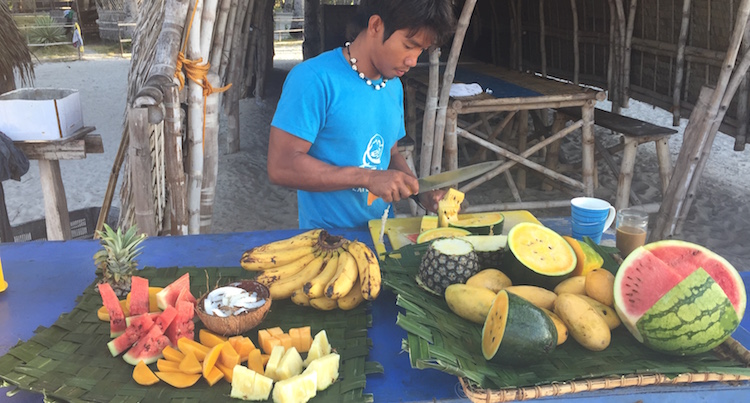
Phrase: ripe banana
[270,276]
[369,269]
[345,277]
[315,288]
[323,303]
[284,288]
[300,298]
[255,259]
[308,238]
[352,299]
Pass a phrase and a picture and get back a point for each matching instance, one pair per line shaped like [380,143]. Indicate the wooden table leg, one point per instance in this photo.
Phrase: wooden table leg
[665,162]
[523,133]
[451,140]
[55,204]
[587,147]
[626,173]
[553,151]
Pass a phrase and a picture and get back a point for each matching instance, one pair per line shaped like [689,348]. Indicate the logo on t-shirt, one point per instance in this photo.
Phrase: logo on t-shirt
[373,155]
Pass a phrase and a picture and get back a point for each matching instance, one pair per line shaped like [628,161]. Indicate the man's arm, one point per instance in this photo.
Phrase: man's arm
[290,165]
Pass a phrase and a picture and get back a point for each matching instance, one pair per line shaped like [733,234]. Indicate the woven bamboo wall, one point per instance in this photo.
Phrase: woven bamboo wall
[494,37]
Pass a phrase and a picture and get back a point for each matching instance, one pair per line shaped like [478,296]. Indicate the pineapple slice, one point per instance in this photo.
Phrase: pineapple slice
[250,385]
[327,368]
[449,206]
[290,365]
[319,347]
[297,389]
[273,362]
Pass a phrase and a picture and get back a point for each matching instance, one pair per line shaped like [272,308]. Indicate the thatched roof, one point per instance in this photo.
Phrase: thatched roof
[14,54]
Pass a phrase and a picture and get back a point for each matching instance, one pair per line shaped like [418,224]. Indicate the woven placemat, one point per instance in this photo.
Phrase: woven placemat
[439,339]
[69,361]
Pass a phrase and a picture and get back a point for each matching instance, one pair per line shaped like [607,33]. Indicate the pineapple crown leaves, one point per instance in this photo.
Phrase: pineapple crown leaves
[118,247]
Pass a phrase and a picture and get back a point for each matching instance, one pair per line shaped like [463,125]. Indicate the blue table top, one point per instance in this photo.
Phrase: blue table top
[45,277]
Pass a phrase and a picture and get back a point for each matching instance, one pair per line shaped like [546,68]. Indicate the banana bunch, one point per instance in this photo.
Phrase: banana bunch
[317,269]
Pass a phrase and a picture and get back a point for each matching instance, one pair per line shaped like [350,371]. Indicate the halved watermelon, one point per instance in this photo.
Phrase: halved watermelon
[168,296]
[678,297]
[182,325]
[137,327]
[116,316]
[147,348]
[138,298]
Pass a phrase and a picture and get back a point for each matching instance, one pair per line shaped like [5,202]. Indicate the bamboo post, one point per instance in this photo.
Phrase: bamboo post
[430,109]
[620,52]
[626,54]
[680,63]
[195,126]
[450,70]
[542,39]
[523,133]
[576,52]
[139,151]
[742,108]
[226,50]
[175,174]
[612,65]
[265,49]
[451,141]
[587,147]
[217,47]
[700,132]
[232,103]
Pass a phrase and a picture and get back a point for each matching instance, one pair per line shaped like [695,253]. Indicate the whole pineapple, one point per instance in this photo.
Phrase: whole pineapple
[447,261]
[116,260]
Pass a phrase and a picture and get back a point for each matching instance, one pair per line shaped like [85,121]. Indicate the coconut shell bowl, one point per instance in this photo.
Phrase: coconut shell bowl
[244,320]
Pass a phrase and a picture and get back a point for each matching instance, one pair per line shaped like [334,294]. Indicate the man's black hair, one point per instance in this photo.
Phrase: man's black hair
[413,15]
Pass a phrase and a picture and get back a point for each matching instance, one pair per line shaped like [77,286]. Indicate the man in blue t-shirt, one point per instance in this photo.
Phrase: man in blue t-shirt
[334,134]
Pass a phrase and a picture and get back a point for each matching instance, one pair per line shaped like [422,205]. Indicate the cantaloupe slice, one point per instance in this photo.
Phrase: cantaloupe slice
[179,379]
[228,372]
[172,354]
[294,334]
[167,366]
[255,361]
[211,358]
[275,331]
[214,376]
[229,357]
[143,375]
[286,340]
[210,339]
[190,364]
[267,341]
[264,359]
[243,345]
[199,350]
[306,339]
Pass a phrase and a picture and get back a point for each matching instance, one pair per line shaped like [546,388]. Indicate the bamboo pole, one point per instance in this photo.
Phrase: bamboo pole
[139,151]
[517,206]
[576,51]
[195,126]
[217,47]
[626,56]
[612,61]
[232,103]
[740,137]
[265,51]
[680,62]
[430,110]
[250,42]
[448,75]
[542,39]
[175,174]
[226,50]
[700,133]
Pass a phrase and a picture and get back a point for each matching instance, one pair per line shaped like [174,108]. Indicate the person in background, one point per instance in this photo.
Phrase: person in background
[335,131]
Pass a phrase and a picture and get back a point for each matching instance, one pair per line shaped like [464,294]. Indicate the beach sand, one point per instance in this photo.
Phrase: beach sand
[245,200]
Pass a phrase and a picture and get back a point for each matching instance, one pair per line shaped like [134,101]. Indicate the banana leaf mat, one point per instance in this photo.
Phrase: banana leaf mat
[69,361]
[439,339]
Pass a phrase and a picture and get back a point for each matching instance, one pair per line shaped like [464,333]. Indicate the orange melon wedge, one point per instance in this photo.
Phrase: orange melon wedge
[143,375]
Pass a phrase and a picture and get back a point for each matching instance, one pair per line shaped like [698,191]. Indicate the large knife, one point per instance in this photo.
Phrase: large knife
[449,178]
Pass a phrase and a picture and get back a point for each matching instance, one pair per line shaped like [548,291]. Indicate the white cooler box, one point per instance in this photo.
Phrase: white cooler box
[40,113]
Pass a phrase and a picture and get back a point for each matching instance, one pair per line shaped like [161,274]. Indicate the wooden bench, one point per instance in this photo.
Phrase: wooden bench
[635,132]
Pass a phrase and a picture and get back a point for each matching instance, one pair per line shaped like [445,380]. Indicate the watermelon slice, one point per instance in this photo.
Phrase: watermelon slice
[137,327]
[117,323]
[148,348]
[186,295]
[672,295]
[168,296]
[183,325]
[165,318]
[138,296]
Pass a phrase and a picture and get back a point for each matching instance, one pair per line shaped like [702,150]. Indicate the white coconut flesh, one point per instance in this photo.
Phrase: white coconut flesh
[487,243]
[453,246]
[229,300]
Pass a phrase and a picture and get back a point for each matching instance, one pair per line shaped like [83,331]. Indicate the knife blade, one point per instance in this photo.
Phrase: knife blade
[448,178]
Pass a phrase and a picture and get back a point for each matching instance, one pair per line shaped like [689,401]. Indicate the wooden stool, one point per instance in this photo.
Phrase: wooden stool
[406,149]
[635,132]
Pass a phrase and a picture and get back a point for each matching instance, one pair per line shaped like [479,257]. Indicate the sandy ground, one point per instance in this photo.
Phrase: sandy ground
[246,201]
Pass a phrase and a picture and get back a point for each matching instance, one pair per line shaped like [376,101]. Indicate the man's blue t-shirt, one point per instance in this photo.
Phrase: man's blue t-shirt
[349,123]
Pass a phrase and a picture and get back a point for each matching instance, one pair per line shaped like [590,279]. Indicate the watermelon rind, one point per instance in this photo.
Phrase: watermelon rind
[168,296]
[117,323]
[693,317]
[148,348]
[137,327]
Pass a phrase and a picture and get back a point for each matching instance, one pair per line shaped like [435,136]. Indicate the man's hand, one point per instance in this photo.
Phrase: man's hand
[430,199]
[392,185]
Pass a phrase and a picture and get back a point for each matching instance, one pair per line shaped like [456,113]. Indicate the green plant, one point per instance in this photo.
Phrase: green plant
[46,31]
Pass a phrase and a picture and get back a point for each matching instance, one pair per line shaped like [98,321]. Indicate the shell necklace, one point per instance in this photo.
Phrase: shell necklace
[353,62]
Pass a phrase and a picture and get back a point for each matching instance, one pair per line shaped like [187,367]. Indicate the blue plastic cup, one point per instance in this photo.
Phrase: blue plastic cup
[591,230]
[590,217]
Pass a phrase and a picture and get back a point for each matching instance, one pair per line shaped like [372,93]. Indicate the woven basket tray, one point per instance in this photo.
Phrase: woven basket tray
[439,339]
